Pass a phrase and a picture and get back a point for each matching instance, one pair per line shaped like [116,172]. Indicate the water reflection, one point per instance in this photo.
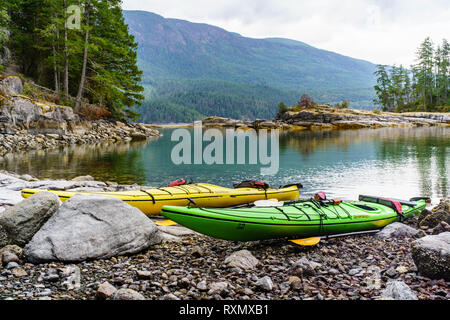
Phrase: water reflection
[105,162]
[397,162]
[400,161]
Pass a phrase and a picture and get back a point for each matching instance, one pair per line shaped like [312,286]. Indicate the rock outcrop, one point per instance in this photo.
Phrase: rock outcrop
[431,255]
[326,117]
[440,213]
[329,118]
[27,124]
[92,227]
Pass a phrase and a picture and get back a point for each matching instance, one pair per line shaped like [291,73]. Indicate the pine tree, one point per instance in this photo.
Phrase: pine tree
[4,20]
[81,86]
[382,89]
[443,72]
[396,89]
[407,89]
[114,78]
[424,73]
[49,39]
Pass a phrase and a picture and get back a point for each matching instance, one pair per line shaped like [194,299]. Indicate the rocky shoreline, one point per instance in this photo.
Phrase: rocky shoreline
[180,264]
[330,118]
[27,124]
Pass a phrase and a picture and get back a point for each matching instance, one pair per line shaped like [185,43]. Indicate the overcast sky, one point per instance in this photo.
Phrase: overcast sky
[380,31]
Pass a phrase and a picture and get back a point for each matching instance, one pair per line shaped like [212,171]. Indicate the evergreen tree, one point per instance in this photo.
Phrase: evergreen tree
[4,19]
[114,78]
[382,89]
[96,63]
[443,73]
[407,87]
[424,73]
[424,87]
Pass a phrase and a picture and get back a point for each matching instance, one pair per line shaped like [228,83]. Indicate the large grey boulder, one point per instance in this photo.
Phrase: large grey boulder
[397,230]
[19,224]
[92,227]
[431,255]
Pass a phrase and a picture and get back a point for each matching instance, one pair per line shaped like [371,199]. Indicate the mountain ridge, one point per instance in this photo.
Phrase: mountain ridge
[177,51]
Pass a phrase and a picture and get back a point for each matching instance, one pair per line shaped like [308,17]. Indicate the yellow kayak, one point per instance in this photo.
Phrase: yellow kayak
[151,201]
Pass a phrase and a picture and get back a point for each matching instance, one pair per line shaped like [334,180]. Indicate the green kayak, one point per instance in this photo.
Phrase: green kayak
[295,220]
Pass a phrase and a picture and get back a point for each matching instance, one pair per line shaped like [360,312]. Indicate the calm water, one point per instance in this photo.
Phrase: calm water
[400,163]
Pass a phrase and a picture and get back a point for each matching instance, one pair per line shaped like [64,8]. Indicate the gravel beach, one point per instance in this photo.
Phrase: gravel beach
[192,267]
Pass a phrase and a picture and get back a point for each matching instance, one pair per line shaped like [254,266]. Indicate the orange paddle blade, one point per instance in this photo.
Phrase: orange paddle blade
[307,242]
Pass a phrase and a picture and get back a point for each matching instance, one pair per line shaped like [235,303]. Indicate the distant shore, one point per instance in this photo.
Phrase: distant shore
[330,118]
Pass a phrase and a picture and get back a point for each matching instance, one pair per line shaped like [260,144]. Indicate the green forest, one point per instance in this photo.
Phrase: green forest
[184,101]
[189,100]
[82,50]
[423,87]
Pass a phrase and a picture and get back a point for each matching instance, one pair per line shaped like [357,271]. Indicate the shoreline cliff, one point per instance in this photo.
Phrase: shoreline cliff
[28,124]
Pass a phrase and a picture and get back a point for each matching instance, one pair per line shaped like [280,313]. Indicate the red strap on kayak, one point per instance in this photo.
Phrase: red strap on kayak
[178,182]
[396,205]
[321,196]
[260,184]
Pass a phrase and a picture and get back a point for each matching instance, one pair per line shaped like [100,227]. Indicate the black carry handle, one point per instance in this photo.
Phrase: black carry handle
[191,201]
[251,184]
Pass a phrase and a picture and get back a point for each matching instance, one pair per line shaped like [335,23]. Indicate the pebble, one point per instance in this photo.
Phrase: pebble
[202,286]
[391,273]
[8,257]
[127,294]
[265,283]
[105,291]
[12,265]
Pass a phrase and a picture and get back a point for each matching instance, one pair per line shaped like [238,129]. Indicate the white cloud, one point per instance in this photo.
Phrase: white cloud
[381,31]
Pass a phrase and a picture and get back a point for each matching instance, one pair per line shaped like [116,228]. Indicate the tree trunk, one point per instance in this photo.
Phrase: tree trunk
[83,70]
[66,58]
[55,71]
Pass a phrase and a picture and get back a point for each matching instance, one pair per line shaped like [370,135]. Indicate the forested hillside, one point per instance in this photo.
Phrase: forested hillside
[197,69]
[80,49]
[425,86]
